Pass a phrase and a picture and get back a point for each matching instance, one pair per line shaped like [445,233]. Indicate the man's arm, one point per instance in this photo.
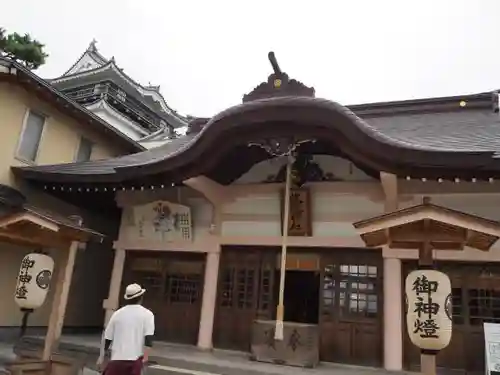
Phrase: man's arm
[106,339]
[149,331]
[107,344]
[108,334]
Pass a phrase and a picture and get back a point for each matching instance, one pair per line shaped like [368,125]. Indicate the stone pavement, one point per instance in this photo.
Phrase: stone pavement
[172,359]
[6,354]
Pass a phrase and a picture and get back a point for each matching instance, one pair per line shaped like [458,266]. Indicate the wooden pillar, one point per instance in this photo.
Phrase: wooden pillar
[426,260]
[428,364]
[393,294]
[209,301]
[62,286]
[393,315]
[111,303]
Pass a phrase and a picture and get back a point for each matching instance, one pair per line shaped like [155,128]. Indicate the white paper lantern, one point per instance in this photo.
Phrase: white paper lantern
[429,304]
[33,281]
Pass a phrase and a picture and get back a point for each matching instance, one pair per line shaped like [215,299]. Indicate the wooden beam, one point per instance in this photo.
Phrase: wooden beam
[213,191]
[74,234]
[37,240]
[447,188]
[425,250]
[28,229]
[480,241]
[60,300]
[431,235]
[422,238]
[435,213]
[389,183]
[455,246]
[28,218]
[32,233]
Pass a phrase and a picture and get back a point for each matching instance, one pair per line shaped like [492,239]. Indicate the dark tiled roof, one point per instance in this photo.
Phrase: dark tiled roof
[467,130]
[61,220]
[107,166]
[472,133]
[14,202]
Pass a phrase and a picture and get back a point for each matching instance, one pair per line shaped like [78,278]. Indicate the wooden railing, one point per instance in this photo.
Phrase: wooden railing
[129,106]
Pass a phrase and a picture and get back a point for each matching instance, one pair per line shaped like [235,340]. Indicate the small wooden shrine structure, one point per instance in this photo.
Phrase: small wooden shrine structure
[25,225]
[428,227]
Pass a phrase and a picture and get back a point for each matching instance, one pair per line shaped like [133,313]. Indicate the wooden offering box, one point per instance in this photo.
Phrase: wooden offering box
[299,347]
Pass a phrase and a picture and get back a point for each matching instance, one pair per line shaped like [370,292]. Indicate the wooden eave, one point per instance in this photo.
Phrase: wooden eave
[441,227]
[29,228]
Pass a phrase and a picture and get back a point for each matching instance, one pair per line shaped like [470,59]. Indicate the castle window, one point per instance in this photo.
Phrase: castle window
[121,95]
[84,150]
[31,136]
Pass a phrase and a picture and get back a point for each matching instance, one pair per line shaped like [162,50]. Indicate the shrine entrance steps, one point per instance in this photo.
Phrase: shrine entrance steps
[174,359]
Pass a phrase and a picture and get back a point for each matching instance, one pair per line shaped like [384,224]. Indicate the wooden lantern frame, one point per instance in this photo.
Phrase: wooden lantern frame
[38,228]
[428,227]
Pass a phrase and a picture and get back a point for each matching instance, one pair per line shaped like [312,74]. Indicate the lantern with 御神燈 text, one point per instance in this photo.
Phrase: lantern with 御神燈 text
[428,309]
[33,281]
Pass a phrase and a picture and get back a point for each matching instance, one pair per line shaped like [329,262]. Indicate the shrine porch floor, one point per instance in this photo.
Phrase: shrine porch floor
[170,358]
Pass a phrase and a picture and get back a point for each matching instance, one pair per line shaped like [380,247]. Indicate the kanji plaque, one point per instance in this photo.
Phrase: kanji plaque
[299,219]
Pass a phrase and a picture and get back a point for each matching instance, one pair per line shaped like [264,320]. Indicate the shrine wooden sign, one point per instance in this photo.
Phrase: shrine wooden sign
[299,262]
[299,219]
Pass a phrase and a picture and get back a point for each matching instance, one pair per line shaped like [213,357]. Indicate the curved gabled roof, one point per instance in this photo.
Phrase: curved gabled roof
[93,55]
[368,145]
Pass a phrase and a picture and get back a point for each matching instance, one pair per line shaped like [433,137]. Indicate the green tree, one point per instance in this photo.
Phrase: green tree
[22,48]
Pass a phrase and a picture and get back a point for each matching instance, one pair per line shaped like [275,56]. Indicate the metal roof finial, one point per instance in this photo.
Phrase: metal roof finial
[274,63]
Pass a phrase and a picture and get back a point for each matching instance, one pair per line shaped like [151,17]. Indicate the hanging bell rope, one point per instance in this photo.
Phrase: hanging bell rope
[280,310]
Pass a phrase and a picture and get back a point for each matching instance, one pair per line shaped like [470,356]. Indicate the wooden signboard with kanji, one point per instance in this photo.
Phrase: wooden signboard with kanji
[299,219]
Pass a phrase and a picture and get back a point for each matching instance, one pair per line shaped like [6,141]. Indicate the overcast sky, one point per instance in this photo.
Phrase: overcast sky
[206,54]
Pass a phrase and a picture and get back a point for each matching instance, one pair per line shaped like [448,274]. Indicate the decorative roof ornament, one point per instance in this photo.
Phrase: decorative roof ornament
[153,87]
[277,148]
[278,84]
[92,46]
[304,169]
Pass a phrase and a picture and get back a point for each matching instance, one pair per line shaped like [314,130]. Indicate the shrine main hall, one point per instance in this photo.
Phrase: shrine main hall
[199,221]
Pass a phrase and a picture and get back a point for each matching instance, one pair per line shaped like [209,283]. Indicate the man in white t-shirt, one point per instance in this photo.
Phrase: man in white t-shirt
[129,333]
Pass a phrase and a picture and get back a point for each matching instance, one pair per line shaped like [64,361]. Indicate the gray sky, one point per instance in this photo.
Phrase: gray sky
[206,54]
